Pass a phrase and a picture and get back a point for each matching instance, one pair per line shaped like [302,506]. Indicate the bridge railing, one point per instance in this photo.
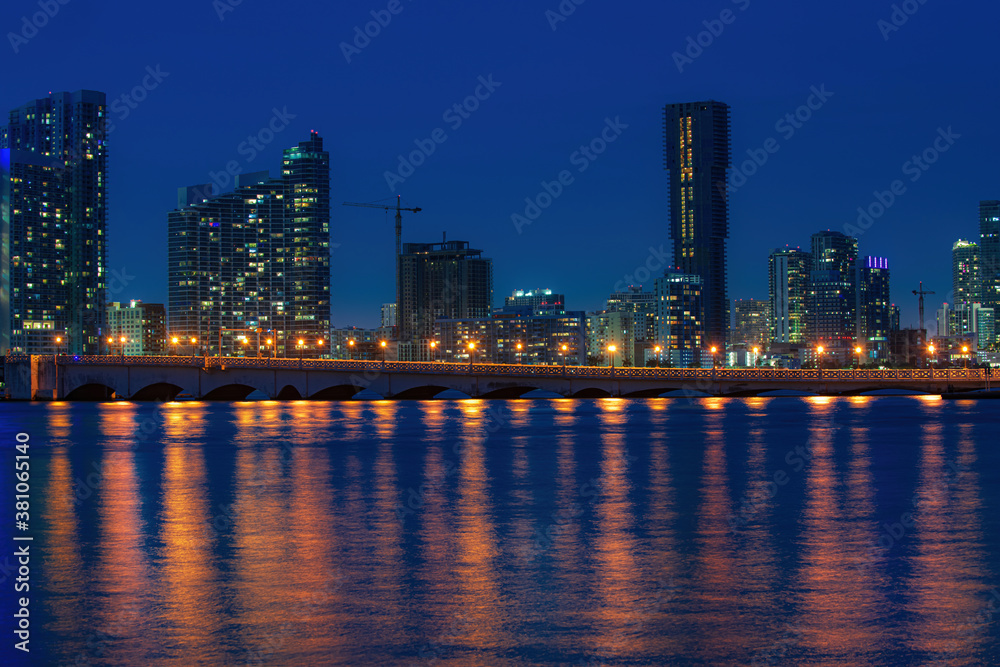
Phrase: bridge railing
[523,370]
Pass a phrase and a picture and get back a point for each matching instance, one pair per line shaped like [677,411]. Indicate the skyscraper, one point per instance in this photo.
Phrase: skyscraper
[989,252]
[832,303]
[255,258]
[446,280]
[53,231]
[679,328]
[965,274]
[873,307]
[788,278]
[698,152]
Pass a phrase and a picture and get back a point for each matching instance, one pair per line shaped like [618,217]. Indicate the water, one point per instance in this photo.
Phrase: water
[621,532]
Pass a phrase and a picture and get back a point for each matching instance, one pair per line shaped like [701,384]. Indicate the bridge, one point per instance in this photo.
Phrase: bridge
[149,378]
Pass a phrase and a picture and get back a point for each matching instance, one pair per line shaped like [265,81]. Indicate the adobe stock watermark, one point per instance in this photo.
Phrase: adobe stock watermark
[381,18]
[657,259]
[581,158]
[915,167]
[252,146]
[223,7]
[696,44]
[30,25]
[899,16]
[128,102]
[786,126]
[561,13]
[455,116]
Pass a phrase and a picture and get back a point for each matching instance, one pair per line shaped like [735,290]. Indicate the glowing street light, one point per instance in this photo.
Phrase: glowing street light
[383,345]
[612,349]
[472,349]
[857,351]
[433,351]
[565,349]
[714,350]
[965,351]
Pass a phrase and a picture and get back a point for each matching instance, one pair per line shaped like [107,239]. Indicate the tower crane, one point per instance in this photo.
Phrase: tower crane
[921,292]
[398,208]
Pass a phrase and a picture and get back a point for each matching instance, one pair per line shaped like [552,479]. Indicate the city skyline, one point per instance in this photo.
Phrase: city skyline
[884,93]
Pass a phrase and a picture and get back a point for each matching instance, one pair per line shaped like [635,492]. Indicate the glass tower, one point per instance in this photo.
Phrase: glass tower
[53,262]
[257,258]
[989,252]
[697,154]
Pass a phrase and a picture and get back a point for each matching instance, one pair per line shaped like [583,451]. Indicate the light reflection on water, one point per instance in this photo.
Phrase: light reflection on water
[485,533]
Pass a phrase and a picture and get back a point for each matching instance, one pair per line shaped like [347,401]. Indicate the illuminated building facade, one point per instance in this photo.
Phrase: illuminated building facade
[534,298]
[788,280]
[874,308]
[679,328]
[143,325]
[53,231]
[832,304]
[966,277]
[698,153]
[989,252]
[751,323]
[255,258]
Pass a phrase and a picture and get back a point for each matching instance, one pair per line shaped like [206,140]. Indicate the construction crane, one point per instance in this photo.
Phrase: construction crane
[398,208]
[921,292]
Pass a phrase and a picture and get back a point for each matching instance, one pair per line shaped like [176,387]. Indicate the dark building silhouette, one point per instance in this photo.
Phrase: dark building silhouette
[697,154]
[989,252]
[446,280]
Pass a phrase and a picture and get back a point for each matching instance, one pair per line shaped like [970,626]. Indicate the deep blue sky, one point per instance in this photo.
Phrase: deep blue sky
[607,60]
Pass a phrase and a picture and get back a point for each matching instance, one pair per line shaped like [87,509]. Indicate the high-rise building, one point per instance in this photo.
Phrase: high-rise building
[751,323]
[446,280]
[832,299]
[255,258]
[873,307]
[986,328]
[788,279]
[698,153]
[989,252]
[944,321]
[53,224]
[965,274]
[678,325]
[143,326]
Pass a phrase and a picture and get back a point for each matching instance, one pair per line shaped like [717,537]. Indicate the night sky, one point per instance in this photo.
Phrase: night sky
[220,81]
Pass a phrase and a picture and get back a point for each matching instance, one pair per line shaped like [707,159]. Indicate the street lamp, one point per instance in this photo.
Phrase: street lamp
[965,352]
[300,346]
[519,359]
[194,350]
[472,348]
[319,346]
[756,357]
[269,340]
[714,350]
[565,348]
[930,353]
[350,349]
[612,349]
[124,340]
[433,351]
[110,343]
[657,350]
[383,344]
[857,351]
